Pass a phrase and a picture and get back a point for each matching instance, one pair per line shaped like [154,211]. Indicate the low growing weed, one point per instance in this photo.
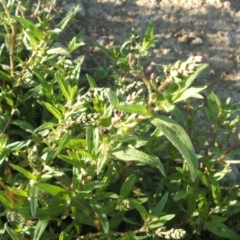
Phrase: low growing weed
[122,161]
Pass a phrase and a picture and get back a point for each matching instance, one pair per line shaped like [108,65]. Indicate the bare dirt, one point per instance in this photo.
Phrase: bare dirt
[209,28]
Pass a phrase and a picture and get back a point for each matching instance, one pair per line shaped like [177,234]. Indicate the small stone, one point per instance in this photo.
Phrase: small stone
[102,40]
[227,5]
[183,39]
[197,41]
[80,10]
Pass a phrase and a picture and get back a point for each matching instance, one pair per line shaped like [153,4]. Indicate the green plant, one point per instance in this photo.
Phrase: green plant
[112,162]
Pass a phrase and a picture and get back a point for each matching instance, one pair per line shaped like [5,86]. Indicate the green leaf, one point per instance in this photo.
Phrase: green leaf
[233,107]
[99,211]
[24,125]
[91,81]
[112,97]
[89,187]
[106,51]
[63,142]
[203,205]
[31,26]
[179,138]
[89,139]
[40,227]
[55,112]
[33,194]
[135,108]
[12,233]
[216,190]
[52,189]
[143,212]
[66,89]
[102,161]
[129,154]
[158,222]
[157,211]
[220,229]
[23,171]
[73,161]
[68,19]
[128,186]
[194,75]
[190,92]
[59,51]
[5,200]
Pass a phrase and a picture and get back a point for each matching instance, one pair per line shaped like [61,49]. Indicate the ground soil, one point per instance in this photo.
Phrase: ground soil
[209,28]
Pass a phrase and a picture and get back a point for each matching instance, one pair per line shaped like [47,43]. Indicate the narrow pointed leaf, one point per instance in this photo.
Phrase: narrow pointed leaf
[12,233]
[157,211]
[63,86]
[63,142]
[5,200]
[113,98]
[25,172]
[179,138]
[34,200]
[52,189]
[221,230]
[24,125]
[136,108]
[99,211]
[129,154]
[40,227]
[128,186]
[91,81]
[55,112]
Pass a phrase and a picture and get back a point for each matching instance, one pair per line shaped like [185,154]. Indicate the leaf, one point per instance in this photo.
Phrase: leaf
[40,227]
[74,162]
[55,112]
[216,190]
[220,230]
[233,107]
[179,138]
[112,97]
[158,222]
[194,75]
[101,162]
[135,108]
[89,139]
[99,211]
[91,81]
[106,51]
[63,142]
[128,186]
[129,154]
[12,233]
[68,19]
[31,26]
[33,194]
[52,189]
[59,51]
[157,211]
[5,200]
[24,125]
[63,86]
[89,187]
[26,173]
[143,212]
[190,92]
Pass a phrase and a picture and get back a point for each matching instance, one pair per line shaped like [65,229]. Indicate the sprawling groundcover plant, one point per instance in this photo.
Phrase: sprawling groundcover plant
[127,160]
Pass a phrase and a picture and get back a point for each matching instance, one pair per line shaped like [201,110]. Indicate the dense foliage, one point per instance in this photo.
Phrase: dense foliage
[131,159]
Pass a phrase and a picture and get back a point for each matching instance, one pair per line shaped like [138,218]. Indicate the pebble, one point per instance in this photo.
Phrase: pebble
[227,5]
[197,41]
[81,11]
